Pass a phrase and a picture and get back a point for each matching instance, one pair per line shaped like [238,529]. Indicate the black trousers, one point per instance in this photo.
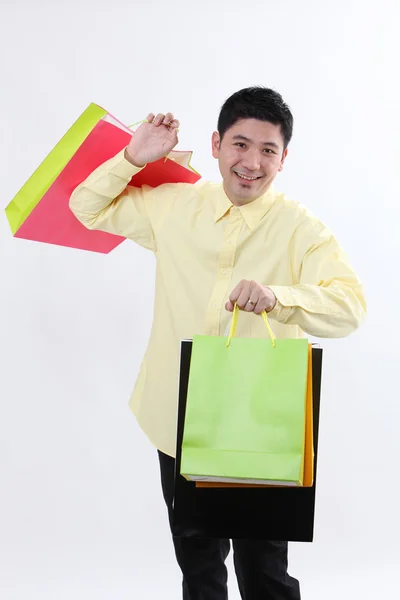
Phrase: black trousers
[260,565]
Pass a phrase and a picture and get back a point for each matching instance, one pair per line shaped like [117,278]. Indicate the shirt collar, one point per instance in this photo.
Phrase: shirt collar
[252,213]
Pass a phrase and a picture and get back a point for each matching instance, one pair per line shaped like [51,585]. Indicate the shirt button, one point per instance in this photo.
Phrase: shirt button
[224,272]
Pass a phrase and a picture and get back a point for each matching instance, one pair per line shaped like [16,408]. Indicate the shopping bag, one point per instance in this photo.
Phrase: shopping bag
[246,409]
[308,446]
[277,513]
[40,210]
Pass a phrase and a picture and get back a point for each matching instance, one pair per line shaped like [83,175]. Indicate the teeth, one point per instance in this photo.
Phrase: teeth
[245,177]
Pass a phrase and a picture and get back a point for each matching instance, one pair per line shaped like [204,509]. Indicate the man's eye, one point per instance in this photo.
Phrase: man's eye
[268,150]
[240,144]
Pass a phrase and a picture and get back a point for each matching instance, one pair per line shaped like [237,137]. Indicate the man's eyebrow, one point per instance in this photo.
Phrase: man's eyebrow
[243,138]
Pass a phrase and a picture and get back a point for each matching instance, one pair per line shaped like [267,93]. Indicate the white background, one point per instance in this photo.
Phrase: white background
[81,511]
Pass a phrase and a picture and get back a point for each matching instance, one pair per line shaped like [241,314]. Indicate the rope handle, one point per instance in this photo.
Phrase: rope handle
[235,318]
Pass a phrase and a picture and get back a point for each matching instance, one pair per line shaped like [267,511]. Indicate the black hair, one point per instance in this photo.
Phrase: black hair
[257,103]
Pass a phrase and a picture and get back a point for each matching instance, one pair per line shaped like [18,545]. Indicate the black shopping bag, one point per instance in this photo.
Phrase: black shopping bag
[285,514]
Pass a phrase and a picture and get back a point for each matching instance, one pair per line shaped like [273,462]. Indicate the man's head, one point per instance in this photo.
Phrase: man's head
[254,129]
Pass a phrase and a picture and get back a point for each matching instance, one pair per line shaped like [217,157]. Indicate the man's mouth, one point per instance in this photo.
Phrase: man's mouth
[245,177]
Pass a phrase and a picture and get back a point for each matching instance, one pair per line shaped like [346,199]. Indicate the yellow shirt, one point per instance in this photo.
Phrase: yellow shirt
[204,245]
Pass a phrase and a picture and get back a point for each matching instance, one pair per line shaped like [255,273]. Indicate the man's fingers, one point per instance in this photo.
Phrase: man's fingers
[159,119]
[229,306]
[174,124]
[244,296]
[241,294]
[251,297]
[169,117]
[258,308]
[236,291]
[168,120]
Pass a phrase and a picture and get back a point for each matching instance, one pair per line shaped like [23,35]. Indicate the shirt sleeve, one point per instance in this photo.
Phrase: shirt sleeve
[105,201]
[328,298]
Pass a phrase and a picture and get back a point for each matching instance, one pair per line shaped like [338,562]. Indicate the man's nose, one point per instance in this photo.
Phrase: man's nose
[251,160]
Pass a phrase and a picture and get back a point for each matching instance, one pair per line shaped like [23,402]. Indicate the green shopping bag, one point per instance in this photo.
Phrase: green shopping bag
[246,409]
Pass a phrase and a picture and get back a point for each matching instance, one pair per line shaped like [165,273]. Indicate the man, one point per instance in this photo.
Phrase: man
[215,245]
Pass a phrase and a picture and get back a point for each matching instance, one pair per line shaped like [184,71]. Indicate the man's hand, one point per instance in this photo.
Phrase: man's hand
[251,297]
[153,140]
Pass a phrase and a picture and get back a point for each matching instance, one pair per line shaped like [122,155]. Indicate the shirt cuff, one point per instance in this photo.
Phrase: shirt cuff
[122,168]
[284,303]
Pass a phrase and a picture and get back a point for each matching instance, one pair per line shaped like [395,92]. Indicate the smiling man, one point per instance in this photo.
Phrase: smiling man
[250,155]
[217,244]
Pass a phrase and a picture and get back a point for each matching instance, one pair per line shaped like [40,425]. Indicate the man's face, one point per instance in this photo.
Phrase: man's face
[250,156]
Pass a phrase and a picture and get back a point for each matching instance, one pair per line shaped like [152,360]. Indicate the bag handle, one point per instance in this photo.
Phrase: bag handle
[138,123]
[235,318]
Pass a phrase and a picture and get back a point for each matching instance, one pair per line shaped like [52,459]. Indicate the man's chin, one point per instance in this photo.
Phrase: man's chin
[240,194]
[248,192]
[241,198]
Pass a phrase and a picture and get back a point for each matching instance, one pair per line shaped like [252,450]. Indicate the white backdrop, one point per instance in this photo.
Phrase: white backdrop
[81,511]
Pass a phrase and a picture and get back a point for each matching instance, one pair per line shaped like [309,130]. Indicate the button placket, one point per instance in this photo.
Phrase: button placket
[224,274]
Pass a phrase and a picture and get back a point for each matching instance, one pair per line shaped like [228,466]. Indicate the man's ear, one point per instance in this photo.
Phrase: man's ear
[215,144]
[284,155]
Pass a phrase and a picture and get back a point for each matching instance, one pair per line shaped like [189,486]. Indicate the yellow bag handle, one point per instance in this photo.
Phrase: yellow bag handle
[138,123]
[235,318]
